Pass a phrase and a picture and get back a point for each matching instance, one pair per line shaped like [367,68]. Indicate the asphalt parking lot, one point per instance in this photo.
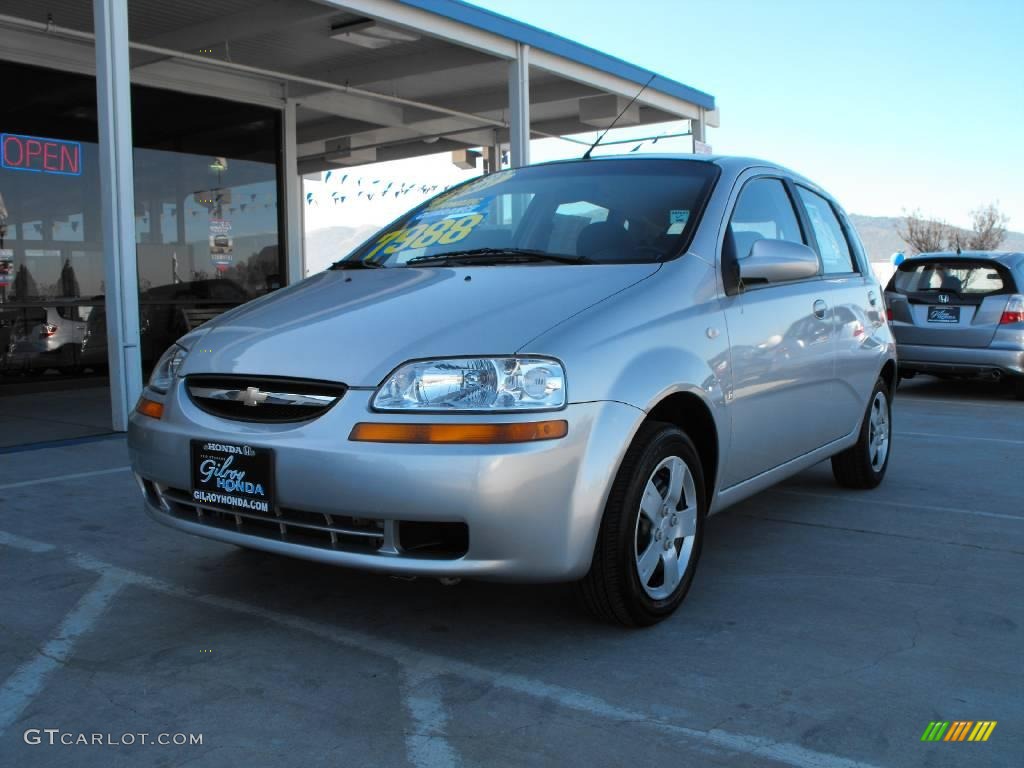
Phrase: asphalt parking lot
[825,628]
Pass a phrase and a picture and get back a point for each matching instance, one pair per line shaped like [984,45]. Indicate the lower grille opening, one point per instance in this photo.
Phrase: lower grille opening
[338,532]
[448,540]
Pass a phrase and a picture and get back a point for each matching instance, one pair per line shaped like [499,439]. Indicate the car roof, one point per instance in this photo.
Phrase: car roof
[1010,259]
[733,164]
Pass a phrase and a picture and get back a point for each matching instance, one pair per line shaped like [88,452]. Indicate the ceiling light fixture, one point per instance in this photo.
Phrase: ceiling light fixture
[371,34]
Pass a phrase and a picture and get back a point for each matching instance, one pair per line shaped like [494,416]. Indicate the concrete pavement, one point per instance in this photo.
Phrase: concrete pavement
[825,628]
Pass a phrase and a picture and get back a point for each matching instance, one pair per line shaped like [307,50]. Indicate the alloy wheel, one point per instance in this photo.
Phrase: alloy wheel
[665,528]
[878,431]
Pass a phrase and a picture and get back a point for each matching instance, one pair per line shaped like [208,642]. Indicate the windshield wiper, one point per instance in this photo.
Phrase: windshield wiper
[356,264]
[493,255]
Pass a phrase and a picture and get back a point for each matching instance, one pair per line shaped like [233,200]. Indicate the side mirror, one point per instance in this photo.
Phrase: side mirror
[778,261]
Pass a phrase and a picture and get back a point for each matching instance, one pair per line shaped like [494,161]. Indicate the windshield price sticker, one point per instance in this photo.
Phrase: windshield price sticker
[454,208]
[455,203]
[444,232]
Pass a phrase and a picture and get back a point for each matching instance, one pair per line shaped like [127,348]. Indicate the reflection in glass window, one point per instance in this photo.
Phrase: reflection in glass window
[613,211]
[196,258]
[953,276]
[763,211]
[218,221]
[835,251]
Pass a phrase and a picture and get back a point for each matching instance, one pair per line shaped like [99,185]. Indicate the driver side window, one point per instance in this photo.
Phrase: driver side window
[763,210]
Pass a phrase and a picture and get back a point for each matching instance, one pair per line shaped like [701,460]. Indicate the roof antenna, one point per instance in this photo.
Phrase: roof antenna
[586,155]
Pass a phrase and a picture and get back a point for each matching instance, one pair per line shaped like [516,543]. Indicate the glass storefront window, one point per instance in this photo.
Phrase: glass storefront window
[206,218]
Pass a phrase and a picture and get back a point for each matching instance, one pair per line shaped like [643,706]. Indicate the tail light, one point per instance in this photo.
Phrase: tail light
[1014,312]
[888,314]
[48,331]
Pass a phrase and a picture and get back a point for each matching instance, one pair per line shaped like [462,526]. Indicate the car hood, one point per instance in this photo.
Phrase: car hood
[355,326]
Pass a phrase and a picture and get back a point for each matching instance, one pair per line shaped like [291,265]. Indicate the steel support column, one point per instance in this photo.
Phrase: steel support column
[519,107]
[697,127]
[698,130]
[294,246]
[117,194]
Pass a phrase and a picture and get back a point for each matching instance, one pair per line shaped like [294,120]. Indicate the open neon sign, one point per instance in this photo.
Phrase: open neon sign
[39,155]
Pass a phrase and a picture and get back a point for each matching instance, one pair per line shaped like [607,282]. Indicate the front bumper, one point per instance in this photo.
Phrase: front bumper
[960,361]
[532,509]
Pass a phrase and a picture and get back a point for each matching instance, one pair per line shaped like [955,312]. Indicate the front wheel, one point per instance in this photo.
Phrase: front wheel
[651,533]
[863,465]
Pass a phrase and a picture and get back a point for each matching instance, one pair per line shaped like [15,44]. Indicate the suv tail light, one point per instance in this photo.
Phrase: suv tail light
[48,331]
[888,314]
[1014,312]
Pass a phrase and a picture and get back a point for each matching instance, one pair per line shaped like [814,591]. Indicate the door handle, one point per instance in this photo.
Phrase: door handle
[820,308]
[872,299]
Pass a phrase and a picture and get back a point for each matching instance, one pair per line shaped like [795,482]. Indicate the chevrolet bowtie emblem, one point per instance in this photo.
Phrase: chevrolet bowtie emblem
[251,396]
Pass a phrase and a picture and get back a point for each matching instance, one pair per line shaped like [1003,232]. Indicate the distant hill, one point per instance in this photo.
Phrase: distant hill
[881,238]
[879,233]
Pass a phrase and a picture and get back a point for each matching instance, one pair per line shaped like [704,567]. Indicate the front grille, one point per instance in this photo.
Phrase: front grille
[344,533]
[262,398]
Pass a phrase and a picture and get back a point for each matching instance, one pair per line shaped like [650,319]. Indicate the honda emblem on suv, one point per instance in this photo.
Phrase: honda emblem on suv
[943,299]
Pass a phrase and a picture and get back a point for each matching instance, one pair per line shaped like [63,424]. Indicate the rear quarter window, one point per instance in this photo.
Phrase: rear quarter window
[836,257]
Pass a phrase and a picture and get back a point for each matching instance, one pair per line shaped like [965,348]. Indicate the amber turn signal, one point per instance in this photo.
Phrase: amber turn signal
[516,432]
[150,408]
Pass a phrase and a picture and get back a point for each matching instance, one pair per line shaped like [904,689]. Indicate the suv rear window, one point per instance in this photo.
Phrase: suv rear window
[979,278]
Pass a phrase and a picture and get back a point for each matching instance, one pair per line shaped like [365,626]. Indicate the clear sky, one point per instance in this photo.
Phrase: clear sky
[889,105]
[910,104]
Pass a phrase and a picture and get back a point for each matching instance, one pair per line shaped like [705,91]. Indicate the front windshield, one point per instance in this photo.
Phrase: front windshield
[597,211]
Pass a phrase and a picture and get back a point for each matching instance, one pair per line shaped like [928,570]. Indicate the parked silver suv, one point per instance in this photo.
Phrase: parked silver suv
[551,373]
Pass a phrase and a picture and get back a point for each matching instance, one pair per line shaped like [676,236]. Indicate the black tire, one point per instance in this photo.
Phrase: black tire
[1018,388]
[857,466]
[612,589]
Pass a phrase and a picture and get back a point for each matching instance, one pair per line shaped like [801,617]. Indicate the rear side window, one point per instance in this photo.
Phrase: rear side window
[835,251]
[974,278]
[763,211]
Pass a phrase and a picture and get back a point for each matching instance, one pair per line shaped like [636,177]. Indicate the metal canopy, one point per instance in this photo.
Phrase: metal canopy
[357,81]
[367,80]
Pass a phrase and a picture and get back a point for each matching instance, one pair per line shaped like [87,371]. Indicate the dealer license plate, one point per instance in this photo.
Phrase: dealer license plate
[233,476]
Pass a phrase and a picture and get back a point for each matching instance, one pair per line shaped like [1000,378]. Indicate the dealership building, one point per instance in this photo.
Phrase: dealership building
[152,155]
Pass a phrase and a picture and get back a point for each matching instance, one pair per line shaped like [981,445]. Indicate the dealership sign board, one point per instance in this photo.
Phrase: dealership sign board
[40,155]
[221,244]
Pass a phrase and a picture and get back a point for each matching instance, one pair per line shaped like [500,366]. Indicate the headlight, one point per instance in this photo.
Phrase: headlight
[167,368]
[474,384]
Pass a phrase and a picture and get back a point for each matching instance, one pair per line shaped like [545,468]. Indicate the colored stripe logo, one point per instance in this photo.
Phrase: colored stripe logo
[959,730]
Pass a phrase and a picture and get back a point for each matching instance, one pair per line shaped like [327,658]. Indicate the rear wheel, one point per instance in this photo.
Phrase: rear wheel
[863,464]
[1018,388]
[651,533]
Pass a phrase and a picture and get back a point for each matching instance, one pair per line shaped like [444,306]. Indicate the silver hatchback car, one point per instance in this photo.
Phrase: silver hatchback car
[545,374]
[960,315]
